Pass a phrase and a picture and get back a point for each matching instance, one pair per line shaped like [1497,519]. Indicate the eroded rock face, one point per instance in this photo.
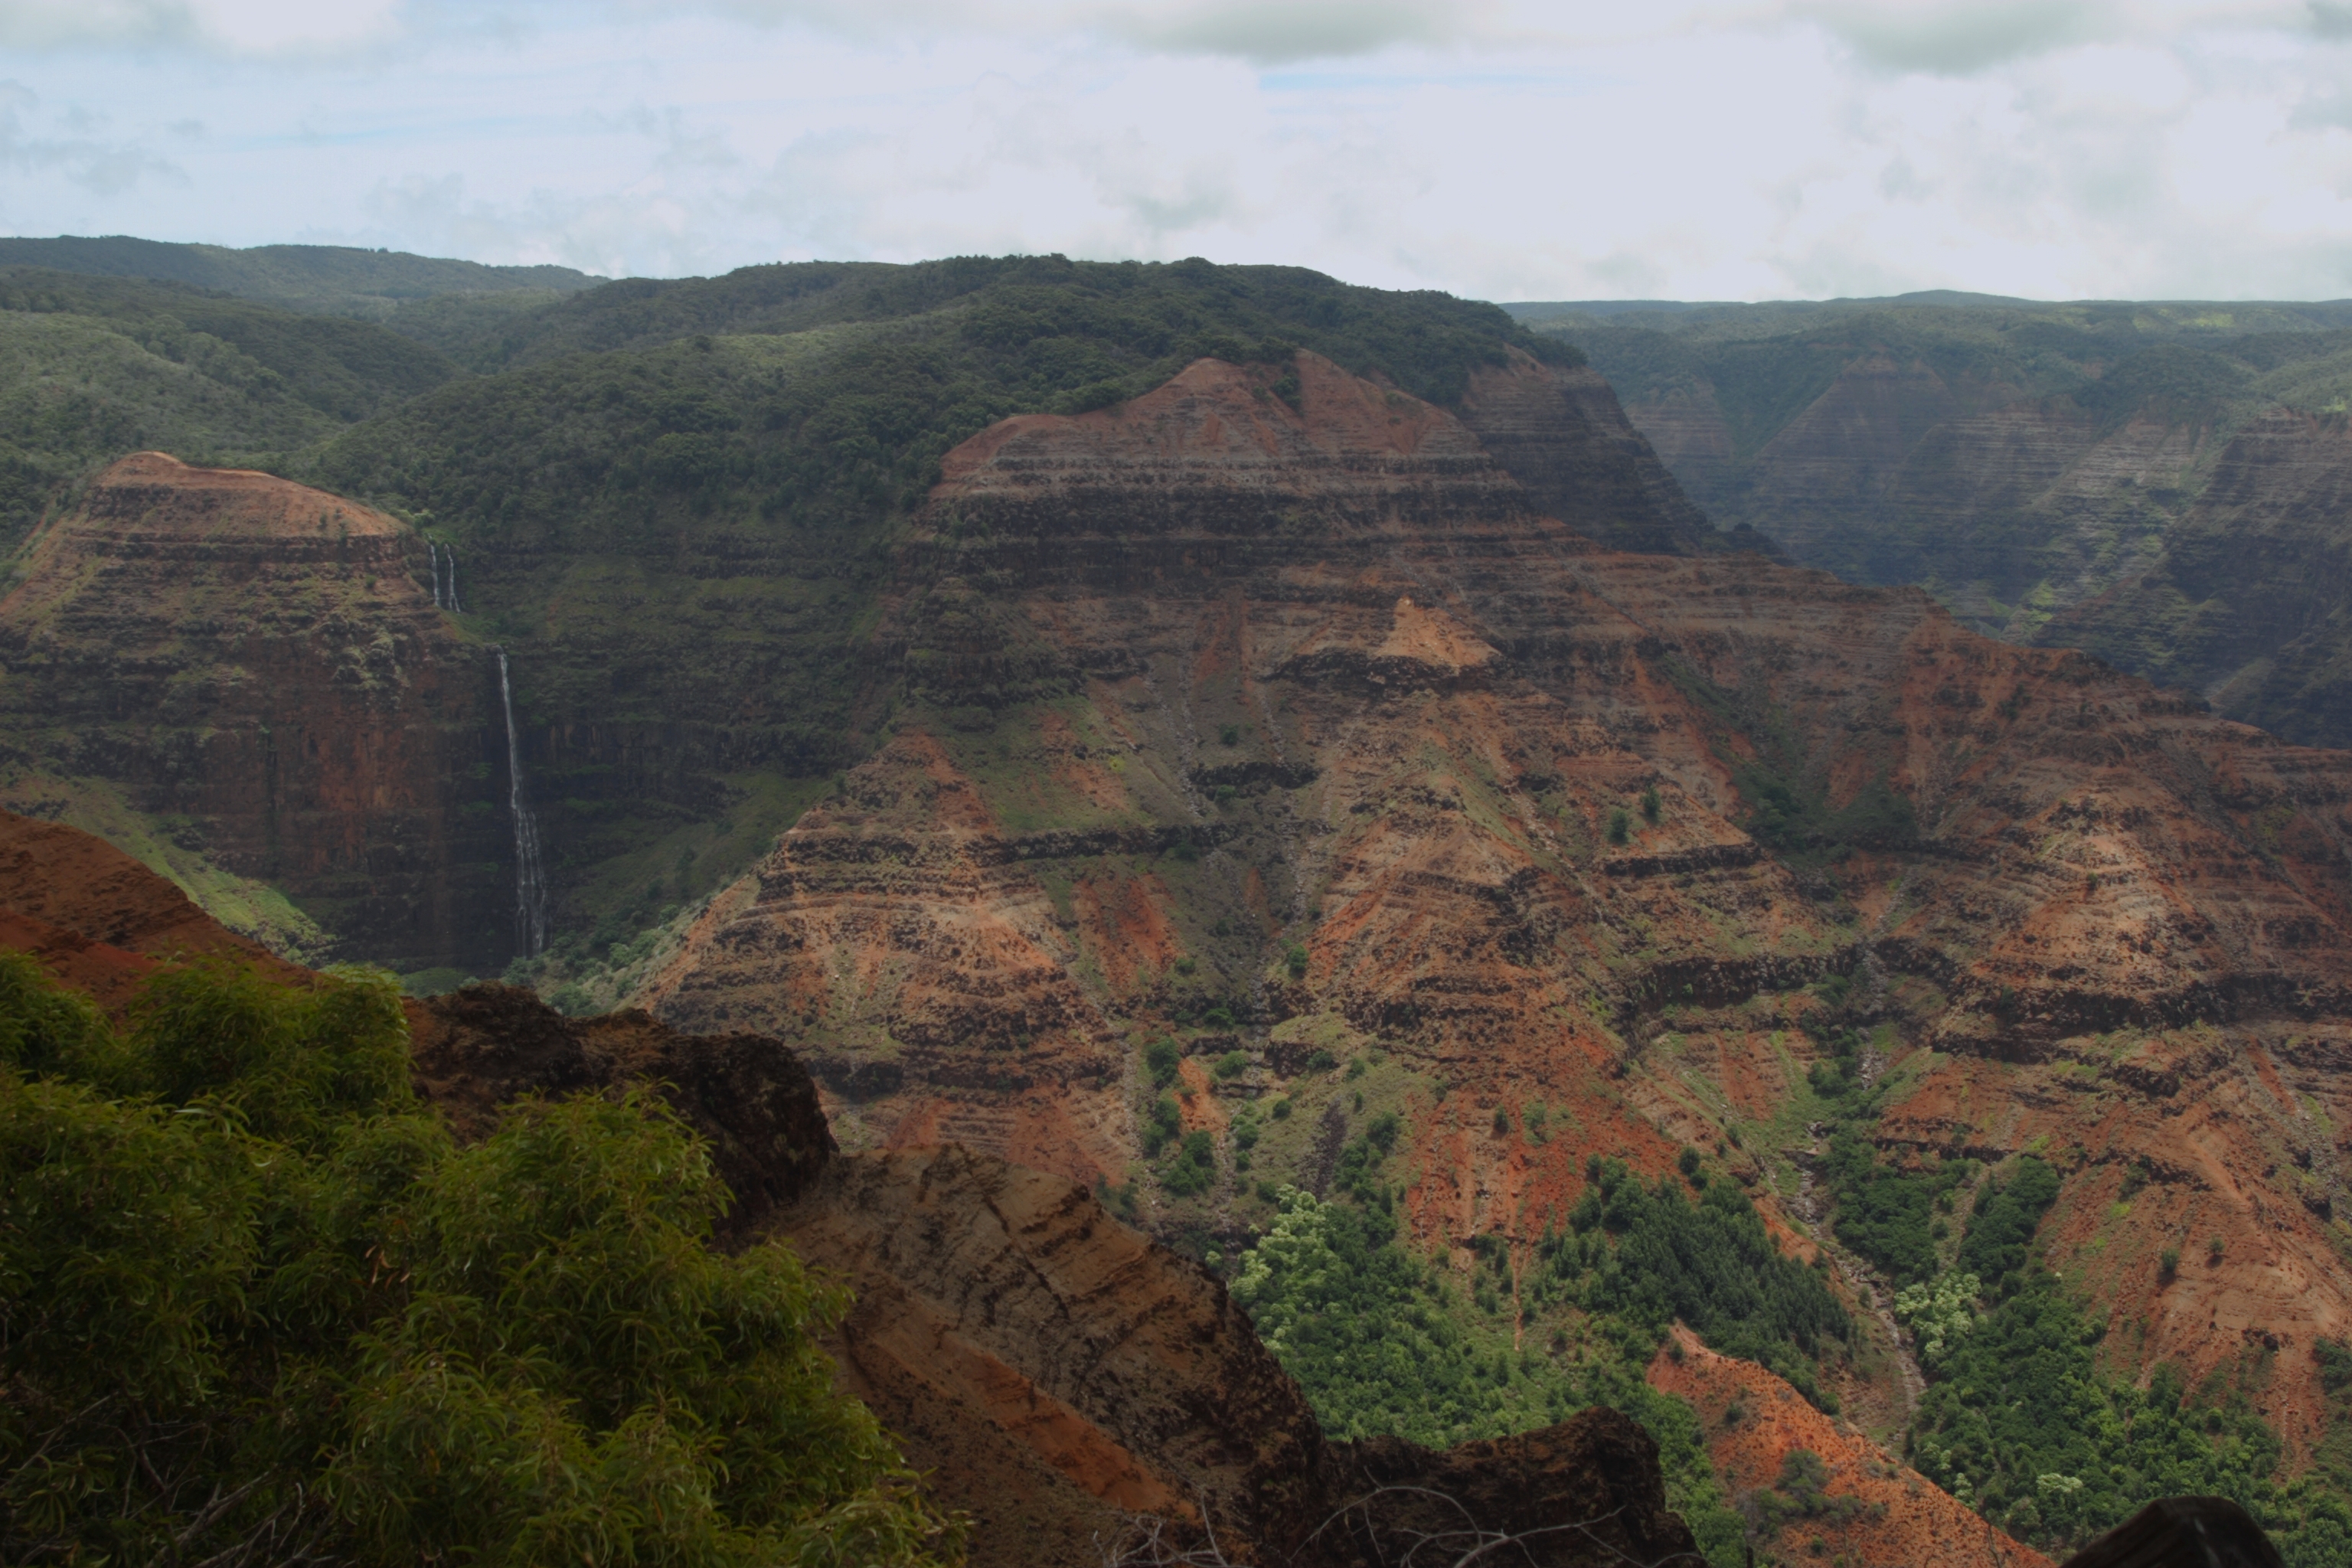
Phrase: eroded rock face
[262,662]
[2251,604]
[1754,1421]
[1060,1374]
[476,1049]
[1561,433]
[1305,713]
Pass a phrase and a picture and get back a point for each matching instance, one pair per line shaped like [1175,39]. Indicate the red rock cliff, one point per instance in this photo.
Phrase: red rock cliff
[253,660]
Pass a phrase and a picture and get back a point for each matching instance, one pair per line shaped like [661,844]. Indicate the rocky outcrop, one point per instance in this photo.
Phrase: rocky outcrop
[1075,1388]
[1560,433]
[752,1103]
[2182,1532]
[260,665]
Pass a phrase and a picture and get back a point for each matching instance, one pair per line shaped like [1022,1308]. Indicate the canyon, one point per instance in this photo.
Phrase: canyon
[1077,1389]
[2155,483]
[1237,785]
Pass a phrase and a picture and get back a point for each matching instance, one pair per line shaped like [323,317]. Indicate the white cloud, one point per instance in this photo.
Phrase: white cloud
[1959,37]
[1510,149]
[83,158]
[236,27]
[1263,32]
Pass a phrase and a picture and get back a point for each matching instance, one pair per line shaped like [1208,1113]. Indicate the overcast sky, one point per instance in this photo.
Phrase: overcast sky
[1704,150]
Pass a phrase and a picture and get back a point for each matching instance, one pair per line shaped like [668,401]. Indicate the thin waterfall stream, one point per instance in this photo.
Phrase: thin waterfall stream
[530,879]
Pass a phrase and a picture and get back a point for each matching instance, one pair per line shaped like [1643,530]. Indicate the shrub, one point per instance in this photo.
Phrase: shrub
[1281,1112]
[1164,1122]
[1687,1161]
[1162,1059]
[1321,1060]
[1229,735]
[1502,1123]
[1195,1167]
[1650,803]
[1296,959]
[1621,825]
[2167,1264]
[1232,1065]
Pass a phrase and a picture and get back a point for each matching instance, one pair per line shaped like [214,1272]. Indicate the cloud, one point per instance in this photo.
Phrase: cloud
[231,26]
[101,167]
[1957,37]
[1284,32]
[1261,32]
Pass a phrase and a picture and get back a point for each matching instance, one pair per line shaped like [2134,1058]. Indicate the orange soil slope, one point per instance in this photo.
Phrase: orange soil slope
[1753,1421]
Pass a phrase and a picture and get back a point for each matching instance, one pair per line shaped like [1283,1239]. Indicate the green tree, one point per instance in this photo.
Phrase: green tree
[256,1300]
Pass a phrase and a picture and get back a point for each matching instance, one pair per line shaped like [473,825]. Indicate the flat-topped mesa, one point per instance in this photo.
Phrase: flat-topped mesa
[153,503]
[264,661]
[1224,470]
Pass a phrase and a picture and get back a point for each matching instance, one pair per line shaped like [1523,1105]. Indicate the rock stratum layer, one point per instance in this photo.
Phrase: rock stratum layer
[1070,1384]
[1295,731]
[258,666]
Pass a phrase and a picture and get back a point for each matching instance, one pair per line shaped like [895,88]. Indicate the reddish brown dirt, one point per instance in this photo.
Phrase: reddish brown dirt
[99,921]
[1056,1373]
[1897,1515]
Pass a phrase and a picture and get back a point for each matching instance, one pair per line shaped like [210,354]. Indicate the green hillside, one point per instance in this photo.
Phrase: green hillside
[336,278]
[91,368]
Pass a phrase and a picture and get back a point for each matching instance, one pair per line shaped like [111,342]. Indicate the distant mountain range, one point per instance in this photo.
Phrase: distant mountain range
[302,277]
[2163,483]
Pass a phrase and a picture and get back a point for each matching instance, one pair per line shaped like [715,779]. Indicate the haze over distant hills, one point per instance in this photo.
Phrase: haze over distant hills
[2163,483]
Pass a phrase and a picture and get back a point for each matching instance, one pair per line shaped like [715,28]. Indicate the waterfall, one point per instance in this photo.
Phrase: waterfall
[530,881]
[433,553]
[450,555]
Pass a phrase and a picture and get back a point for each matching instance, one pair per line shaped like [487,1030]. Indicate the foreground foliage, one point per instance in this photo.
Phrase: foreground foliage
[256,1306]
